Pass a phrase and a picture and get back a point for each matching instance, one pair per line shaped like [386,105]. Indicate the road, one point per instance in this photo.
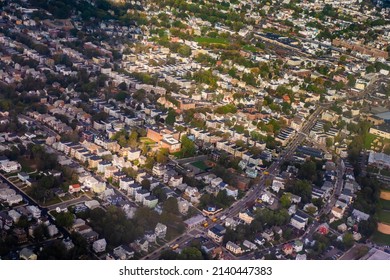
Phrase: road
[337,190]
[41,126]
[68,203]
[254,192]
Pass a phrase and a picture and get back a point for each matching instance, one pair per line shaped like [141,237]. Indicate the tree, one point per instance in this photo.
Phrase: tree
[133,139]
[348,240]
[187,147]
[145,184]
[170,206]
[169,255]
[162,155]
[308,171]
[285,200]
[329,142]
[122,86]
[302,188]
[54,251]
[190,253]
[40,232]
[170,120]
[65,219]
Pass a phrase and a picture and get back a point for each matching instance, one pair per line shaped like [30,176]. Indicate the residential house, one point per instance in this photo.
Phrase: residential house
[133,154]
[195,221]
[14,215]
[288,249]
[143,245]
[183,206]
[246,216]
[133,188]
[99,246]
[150,201]
[277,184]
[234,248]
[14,199]
[249,245]
[298,221]
[52,230]
[298,246]
[125,182]
[109,171]
[216,233]
[141,194]
[268,234]
[267,198]
[93,161]
[160,230]
[123,252]
[5,221]
[35,211]
[10,166]
[150,236]
[75,188]
[27,254]
[92,204]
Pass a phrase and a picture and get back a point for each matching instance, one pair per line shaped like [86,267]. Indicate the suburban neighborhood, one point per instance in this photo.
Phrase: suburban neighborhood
[194,130]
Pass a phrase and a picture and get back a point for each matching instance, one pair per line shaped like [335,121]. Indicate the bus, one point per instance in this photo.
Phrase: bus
[174,247]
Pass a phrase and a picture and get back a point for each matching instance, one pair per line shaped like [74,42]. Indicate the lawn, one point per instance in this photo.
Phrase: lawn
[384,216]
[369,140]
[250,48]
[381,238]
[211,40]
[200,164]
[385,204]
[52,201]
[146,140]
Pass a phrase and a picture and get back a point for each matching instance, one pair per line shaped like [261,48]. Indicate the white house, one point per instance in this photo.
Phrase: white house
[133,154]
[160,230]
[14,215]
[10,166]
[92,204]
[234,248]
[298,222]
[141,194]
[277,184]
[35,212]
[150,201]
[124,183]
[99,246]
[52,230]
[249,245]
[230,191]
[14,199]
[267,197]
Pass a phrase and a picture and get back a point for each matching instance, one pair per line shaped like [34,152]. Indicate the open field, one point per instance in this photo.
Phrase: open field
[201,165]
[384,217]
[250,48]
[385,204]
[211,40]
[368,141]
[381,238]
[146,140]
